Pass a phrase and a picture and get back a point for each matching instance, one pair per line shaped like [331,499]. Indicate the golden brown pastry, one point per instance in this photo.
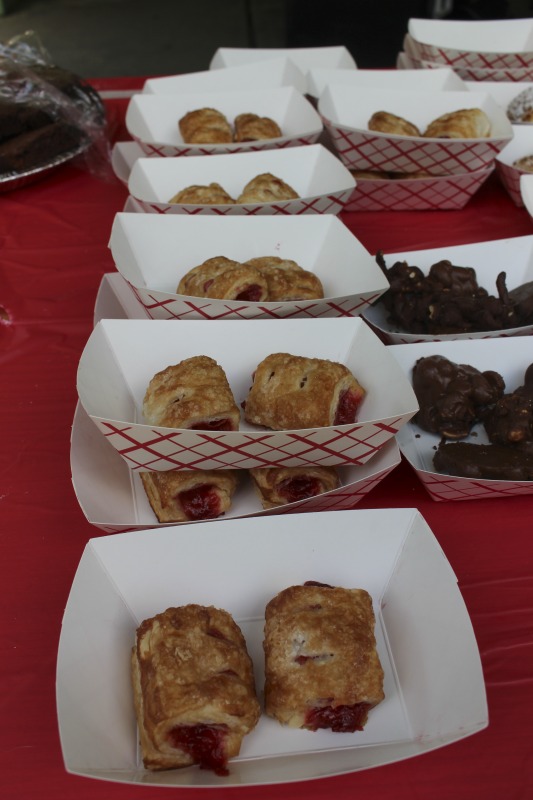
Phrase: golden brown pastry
[278,486]
[292,392]
[224,279]
[189,495]
[266,188]
[251,128]
[194,394]
[322,669]
[520,109]
[193,688]
[286,280]
[211,195]
[384,122]
[468,123]
[525,163]
[205,126]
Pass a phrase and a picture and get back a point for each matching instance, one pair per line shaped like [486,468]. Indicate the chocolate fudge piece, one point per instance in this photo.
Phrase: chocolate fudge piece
[489,461]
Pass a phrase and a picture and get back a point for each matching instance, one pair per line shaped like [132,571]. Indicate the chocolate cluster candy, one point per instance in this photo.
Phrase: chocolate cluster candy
[449,300]
[453,397]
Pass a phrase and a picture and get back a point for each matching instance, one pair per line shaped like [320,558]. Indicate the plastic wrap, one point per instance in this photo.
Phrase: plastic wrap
[48,116]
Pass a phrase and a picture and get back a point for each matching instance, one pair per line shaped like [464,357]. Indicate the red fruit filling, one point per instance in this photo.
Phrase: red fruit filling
[299,488]
[202,502]
[251,294]
[341,719]
[349,402]
[204,743]
[222,424]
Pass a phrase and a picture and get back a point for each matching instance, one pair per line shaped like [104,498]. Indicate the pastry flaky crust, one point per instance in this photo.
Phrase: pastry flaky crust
[384,122]
[189,495]
[190,667]
[320,653]
[292,392]
[205,126]
[286,280]
[468,123]
[193,394]
[211,195]
[252,128]
[277,486]
[266,188]
[224,279]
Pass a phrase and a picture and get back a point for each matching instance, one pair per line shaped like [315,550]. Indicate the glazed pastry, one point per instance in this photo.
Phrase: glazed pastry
[286,280]
[266,188]
[278,486]
[468,123]
[384,122]
[520,109]
[193,688]
[224,279]
[322,669]
[211,195]
[194,394]
[251,128]
[189,495]
[292,392]
[205,126]
[525,163]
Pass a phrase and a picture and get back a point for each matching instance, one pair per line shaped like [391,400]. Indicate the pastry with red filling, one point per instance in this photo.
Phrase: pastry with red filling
[194,394]
[292,392]
[205,126]
[224,279]
[193,688]
[253,128]
[266,188]
[278,486]
[189,495]
[322,668]
[286,280]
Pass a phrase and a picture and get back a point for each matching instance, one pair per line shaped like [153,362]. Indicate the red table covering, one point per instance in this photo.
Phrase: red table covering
[53,253]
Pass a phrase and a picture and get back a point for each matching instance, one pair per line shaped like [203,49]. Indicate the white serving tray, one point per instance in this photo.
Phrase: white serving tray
[424,636]
[154,251]
[520,146]
[438,80]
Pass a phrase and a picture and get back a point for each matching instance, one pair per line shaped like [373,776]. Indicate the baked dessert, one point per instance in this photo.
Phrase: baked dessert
[292,392]
[322,668]
[468,123]
[453,397]
[525,163]
[266,188]
[286,280]
[277,486]
[520,109]
[385,122]
[225,279]
[510,420]
[252,128]
[189,495]
[193,688]
[194,394]
[211,195]
[484,461]
[205,126]
[38,147]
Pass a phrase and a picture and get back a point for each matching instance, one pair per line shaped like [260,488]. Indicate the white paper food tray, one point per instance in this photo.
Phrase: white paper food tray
[316,175]
[481,43]
[509,357]
[112,496]
[152,120]
[347,111]
[424,637]
[526,190]
[154,251]
[502,92]
[437,80]
[121,357]
[520,147]
[444,193]
[512,256]
[261,75]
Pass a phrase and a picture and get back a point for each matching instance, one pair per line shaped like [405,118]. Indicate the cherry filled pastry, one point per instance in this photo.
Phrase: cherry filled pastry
[189,495]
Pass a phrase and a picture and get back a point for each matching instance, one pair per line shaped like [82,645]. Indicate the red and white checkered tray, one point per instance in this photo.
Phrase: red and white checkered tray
[121,357]
[509,357]
[316,175]
[448,192]
[152,120]
[346,113]
[512,256]
[146,253]
[439,80]
[483,44]
[520,147]
[112,496]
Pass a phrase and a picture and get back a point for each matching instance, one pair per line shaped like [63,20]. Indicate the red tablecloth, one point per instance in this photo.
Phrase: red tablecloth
[53,253]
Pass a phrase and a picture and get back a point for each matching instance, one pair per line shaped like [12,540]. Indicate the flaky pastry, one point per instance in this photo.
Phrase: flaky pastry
[384,122]
[205,126]
[210,195]
[224,279]
[286,280]
[252,127]
[189,495]
[467,123]
[525,163]
[266,188]
[277,486]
